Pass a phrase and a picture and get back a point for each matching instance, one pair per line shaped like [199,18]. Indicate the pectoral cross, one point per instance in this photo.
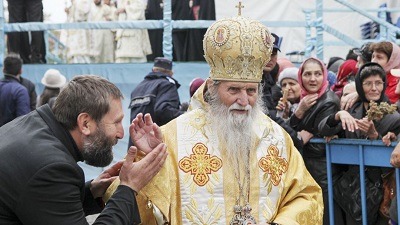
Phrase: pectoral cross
[242,215]
[240,6]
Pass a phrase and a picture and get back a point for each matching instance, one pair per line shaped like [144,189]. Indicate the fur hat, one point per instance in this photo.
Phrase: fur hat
[164,63]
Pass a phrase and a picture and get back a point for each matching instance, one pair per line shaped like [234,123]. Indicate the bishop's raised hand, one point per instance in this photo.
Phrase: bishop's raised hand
[145,134]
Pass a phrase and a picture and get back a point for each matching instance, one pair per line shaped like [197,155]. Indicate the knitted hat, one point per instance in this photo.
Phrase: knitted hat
[288,73]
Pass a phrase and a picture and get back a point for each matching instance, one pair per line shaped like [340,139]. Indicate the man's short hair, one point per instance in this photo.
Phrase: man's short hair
[12,64]
[84,94]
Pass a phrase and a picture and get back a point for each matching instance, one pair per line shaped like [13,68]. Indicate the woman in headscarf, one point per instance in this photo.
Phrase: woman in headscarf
[317,101]
[386,54]
[370,85]
[347,72]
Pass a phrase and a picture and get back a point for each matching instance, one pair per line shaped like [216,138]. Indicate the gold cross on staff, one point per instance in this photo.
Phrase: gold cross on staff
[240,6]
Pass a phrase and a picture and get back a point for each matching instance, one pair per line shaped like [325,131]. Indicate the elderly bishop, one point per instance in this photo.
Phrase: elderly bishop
[228,162]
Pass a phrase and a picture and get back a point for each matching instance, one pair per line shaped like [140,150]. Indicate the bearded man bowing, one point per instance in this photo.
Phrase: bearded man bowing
[228,162]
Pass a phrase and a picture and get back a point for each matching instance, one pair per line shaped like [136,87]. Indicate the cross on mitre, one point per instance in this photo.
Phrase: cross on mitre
[240,6]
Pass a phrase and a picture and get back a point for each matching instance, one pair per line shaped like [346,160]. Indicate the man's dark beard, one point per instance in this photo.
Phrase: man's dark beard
[97,149]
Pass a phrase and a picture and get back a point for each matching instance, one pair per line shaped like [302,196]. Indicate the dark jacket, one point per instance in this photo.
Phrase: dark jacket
[326,105]
[14,99]
[158,95]
[31,91]
[314,154]
[41,182]
[271,93]
[269,97]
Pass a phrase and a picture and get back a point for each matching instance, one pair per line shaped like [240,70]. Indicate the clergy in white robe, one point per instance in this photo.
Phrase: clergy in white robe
[133,45]
[102,40]
[78,39]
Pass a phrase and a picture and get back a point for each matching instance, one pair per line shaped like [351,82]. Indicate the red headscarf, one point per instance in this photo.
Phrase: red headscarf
[325,82]
[347,69]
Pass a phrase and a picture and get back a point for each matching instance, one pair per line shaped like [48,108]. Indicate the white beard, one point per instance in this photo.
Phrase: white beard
[234,130]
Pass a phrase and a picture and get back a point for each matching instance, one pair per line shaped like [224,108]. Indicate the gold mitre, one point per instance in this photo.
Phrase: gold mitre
[237,49]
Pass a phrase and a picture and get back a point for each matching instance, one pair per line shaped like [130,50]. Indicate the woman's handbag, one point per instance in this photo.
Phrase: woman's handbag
[347,193]
[389,192]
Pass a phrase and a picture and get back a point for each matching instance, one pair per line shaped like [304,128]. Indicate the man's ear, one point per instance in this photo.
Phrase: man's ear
[85,123]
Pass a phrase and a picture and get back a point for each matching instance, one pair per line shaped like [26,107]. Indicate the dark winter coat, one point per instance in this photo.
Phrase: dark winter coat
[41,182]
[158,95]
[14,99]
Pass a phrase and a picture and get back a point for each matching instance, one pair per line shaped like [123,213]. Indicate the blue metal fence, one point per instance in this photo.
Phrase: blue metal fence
[357,152]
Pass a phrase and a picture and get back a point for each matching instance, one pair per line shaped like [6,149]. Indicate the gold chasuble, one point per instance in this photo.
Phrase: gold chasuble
[197,185]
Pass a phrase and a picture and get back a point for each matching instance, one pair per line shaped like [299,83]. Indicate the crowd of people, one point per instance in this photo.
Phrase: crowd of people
[313,105]
[18,95]
[238,153]
[132,45]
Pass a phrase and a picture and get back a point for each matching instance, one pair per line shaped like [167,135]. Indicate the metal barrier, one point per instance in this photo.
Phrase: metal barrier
[59,49]
[357,152]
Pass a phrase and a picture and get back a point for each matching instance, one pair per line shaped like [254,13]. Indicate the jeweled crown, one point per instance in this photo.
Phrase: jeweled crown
[237,49]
